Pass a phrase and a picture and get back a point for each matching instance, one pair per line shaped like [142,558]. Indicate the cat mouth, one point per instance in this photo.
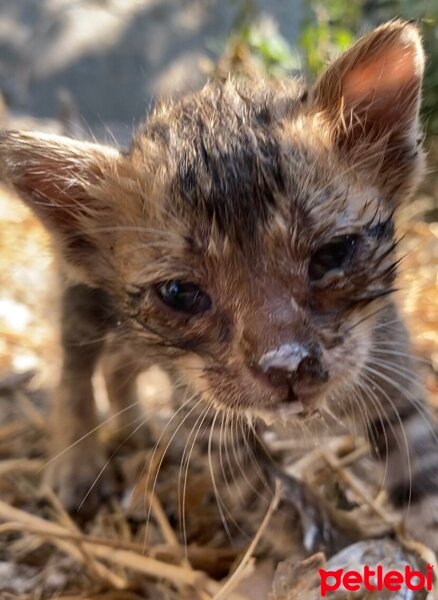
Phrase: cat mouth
[286,413]
[303,406]
[299,401]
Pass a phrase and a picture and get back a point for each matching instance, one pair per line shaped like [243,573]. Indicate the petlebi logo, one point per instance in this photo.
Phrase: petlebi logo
[375,579]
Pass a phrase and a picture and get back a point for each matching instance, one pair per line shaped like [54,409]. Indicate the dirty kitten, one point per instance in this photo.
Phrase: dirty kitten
[245,242]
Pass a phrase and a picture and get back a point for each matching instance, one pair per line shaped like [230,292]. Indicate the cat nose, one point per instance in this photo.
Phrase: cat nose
[291,363]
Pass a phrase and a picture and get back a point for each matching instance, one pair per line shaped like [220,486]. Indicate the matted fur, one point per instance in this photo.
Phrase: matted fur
[234,188]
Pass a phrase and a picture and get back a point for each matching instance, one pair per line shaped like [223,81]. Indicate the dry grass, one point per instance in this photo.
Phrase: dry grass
[135,546]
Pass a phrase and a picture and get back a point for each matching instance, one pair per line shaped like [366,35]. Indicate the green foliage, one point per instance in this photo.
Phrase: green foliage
[333,24]
[265,48]
[321,43]
[271,49]
[329,27]
[426,13]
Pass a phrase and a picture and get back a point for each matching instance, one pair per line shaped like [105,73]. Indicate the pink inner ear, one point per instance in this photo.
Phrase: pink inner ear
[381,81]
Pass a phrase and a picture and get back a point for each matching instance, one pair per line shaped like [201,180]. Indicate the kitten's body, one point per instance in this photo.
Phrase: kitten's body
[246,243]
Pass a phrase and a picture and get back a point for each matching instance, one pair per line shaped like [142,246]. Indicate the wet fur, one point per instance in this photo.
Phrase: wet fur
[233,188]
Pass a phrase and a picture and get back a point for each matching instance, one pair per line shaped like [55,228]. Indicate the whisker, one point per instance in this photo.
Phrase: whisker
[238,462]
[204,416]
[399,420]
[83,437]
[384,422]
[363,319]
[222,508]
[164,453]
[413,357]
[223,444]
[405,373]
[421,409]
[99,475]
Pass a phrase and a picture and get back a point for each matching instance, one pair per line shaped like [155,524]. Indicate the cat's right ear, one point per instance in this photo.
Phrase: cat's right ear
[369,99]
[63,181]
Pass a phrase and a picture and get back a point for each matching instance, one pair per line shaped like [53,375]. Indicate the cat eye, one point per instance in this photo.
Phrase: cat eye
[333,256]
[184,297]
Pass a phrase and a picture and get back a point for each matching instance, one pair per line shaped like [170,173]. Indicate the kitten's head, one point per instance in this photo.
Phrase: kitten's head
[247,235]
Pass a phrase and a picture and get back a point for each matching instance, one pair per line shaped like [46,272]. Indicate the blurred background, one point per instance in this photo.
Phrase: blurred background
[94,68]
[111,59]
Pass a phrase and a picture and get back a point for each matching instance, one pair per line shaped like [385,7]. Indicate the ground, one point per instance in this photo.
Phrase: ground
[227,540]
[209,526]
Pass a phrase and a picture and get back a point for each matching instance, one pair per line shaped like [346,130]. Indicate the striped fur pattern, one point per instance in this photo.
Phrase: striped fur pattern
[240,189]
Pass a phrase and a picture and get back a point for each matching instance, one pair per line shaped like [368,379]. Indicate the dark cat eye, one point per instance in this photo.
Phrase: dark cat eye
[184,297]
[333,256]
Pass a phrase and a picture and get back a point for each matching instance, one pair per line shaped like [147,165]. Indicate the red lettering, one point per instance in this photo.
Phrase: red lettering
[367,575]
[393,581]
[352,581]
[379,585]
[376,580]
[410,574]
[429,578]
[326,586]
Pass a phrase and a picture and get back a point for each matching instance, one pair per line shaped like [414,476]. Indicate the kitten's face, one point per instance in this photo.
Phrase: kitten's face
[247,236]
[263,254]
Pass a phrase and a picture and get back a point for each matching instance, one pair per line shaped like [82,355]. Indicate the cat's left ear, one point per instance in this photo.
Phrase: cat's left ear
[69,185]
[369,100]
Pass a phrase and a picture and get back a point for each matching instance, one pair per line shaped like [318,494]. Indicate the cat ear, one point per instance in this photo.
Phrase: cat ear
[370,99]
[61,181]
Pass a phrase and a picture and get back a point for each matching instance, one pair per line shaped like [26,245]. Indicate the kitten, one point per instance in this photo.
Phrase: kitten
[245,242]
